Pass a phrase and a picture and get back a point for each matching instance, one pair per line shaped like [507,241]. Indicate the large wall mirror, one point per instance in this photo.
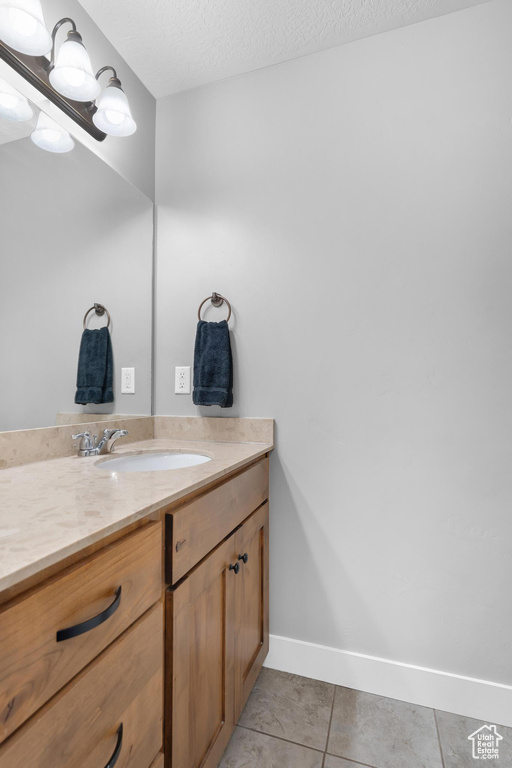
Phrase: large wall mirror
[73,233]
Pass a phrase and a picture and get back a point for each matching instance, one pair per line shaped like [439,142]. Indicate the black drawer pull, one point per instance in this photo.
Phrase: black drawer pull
[86,626]
[117,750]
[234,568]
[244,557]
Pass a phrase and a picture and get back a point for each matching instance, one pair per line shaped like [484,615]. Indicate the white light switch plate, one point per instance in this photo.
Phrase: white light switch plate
[182,380]
[127,381]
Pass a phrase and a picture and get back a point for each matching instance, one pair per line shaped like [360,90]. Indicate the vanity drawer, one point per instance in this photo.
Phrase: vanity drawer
[113,707]
[193,530]
[34,664]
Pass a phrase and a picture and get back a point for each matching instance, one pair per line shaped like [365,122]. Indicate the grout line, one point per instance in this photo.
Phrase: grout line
[349,760]
[439,738]
[329,727]
[304,746]
[280,738]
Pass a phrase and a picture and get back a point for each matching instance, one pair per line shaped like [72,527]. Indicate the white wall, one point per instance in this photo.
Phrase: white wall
[132,157]
[73,232]
[355,206]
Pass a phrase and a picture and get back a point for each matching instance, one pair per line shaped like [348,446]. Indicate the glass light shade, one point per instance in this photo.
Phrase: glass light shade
[113,114]
[13,106]
[22,27]
[50,136]
[72,75]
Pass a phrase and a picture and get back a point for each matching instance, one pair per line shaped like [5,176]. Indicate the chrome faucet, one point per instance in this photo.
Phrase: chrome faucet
[90,446]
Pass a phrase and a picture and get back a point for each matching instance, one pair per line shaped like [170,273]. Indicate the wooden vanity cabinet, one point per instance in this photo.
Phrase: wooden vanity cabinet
[217,639]
[194,528]
[251,610]
[110,714]
[90,673]
[124,579]
[200,662]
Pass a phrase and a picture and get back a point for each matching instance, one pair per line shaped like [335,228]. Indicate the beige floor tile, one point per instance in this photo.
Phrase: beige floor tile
[248,749]
[458,748]
[382,732]
[291,707]
[339,762]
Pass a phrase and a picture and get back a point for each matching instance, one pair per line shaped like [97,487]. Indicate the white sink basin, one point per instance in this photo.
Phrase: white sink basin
[152,462]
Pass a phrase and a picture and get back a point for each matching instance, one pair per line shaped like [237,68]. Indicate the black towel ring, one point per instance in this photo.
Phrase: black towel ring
[217,300]
[100,311]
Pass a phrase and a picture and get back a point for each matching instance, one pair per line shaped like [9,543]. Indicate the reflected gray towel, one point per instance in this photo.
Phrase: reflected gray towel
[95,375]
[213,365]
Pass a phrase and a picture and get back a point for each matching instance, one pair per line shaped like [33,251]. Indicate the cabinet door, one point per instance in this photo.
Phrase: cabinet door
[251,629]
[199,654]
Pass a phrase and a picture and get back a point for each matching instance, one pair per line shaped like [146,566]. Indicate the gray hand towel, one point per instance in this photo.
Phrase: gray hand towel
[213,365]
[95,375]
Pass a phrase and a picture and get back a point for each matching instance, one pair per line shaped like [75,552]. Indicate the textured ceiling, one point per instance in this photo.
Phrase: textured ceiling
[173,45]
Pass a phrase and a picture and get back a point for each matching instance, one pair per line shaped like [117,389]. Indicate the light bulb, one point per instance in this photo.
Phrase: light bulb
[113,115]
[49,135]
[22,27]
[115,118]
[72,75]
[13,106]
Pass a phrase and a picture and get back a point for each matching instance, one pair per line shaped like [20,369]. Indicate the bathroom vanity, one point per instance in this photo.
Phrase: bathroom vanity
[137,645]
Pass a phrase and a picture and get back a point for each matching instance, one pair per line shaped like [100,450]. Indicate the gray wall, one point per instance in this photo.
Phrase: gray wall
[72,232]
[355,206]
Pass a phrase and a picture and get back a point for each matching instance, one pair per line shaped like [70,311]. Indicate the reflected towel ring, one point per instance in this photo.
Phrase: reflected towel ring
[217,300]
[100,311]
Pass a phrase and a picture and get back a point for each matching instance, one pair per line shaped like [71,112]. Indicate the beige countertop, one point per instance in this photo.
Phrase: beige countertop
[50,510]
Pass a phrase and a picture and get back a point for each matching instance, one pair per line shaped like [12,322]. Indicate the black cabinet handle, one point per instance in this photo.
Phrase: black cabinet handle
[117,750]
[86,626]
[244,557]
[234,567]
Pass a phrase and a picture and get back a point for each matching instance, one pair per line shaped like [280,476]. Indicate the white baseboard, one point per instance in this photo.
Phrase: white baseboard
[480,699]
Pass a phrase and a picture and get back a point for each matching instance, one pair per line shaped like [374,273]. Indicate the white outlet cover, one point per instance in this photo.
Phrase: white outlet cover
[127,381]
[182,380]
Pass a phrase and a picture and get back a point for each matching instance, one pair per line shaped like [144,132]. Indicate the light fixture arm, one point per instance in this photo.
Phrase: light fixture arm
[56,28]
[114,80]
[105,69]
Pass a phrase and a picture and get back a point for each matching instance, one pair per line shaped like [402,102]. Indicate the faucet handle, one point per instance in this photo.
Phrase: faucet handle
[81,434]
[107,433]
[112,435]
[85,440]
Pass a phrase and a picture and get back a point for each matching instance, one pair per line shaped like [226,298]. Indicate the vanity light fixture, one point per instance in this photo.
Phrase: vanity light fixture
[22,27]
[113,115]
[66,78]
[50,136]
[71,75]
[13,106]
